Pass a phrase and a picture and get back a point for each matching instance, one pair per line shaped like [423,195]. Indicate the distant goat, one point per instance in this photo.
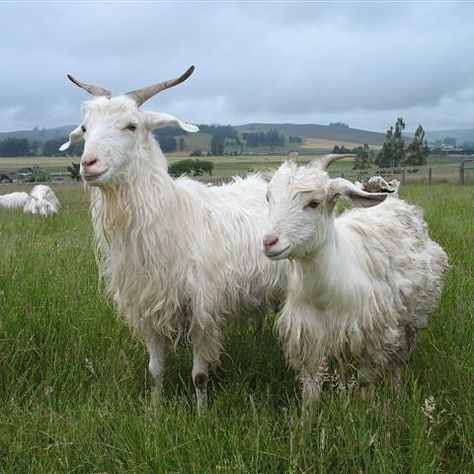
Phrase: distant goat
[361,285]
[41,200]
[177,256]
[14,200]
[44,202]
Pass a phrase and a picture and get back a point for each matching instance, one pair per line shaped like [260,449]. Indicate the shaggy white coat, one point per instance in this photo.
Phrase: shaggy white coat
[43,201]
[361,284]
[14,200]
[177,257]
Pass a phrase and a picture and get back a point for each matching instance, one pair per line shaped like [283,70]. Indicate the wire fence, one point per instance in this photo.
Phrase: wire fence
[461,172]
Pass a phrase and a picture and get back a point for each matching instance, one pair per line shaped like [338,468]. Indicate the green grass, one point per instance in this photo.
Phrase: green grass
[71,401]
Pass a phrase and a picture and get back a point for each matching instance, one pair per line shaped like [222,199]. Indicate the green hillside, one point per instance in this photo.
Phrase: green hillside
[336,132]
[39,135]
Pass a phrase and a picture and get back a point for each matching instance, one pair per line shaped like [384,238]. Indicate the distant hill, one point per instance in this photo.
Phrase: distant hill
[314,135]
[333,132]
[39,135]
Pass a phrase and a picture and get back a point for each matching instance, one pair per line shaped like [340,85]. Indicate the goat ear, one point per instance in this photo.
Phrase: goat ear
[76,135]
[157,120]
[358,197]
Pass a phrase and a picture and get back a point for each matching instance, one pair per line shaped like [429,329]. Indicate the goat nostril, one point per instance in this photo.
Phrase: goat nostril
[270,241]
[90,162]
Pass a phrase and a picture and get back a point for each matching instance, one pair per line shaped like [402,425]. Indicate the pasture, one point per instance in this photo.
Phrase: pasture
[444,169]
[74,385]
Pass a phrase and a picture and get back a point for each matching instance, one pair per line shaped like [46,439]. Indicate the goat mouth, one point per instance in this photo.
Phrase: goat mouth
[92,177]
[279,254]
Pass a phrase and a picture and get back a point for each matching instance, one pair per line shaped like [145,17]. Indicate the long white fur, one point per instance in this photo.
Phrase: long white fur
[14,200]
[177,257]
[361,285]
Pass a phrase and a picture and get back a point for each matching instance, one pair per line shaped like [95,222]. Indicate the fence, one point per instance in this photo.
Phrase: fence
[457,173]
[462,173]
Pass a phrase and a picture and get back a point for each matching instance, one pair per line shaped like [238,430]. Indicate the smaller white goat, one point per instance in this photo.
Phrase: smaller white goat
[43,201]
[361,284]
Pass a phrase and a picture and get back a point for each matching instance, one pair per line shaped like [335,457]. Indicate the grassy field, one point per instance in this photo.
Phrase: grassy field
[228,165]
[74,386]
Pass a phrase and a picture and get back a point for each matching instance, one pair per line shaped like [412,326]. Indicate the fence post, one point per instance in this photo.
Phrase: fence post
[403,177]
[429,176]
[461,173]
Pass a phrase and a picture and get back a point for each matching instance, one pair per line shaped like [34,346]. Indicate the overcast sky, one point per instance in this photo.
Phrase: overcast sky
[363,63]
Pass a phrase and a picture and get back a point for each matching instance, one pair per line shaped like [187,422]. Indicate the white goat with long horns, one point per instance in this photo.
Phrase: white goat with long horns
[361,284]
[177,256]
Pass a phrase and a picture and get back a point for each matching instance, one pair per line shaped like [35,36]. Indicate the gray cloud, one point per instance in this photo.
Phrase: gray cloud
[361,62]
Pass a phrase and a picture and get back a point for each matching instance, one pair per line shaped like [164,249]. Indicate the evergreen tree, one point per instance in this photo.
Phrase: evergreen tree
[15,147]
[217,145]
[74,171]
[417,150]
[393,149]
[168,144]
[364,158]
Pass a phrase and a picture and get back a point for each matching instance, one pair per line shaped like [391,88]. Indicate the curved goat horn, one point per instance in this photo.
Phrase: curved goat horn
[94,90]
[325,161]
[142,95]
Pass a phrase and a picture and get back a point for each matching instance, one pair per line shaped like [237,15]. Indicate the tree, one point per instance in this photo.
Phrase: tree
[217,145]
[168,144]
[270,139]
[417,151]
[14,147]
[393,148]
[192,167]
[74,171]
[51,147]
[364,158]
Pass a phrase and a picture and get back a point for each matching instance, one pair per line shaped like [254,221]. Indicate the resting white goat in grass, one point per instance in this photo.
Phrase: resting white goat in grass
[177,256]
[14,200]
[43,201]
[361,284]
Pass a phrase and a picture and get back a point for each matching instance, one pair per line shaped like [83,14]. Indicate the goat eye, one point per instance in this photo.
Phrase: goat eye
[312,205]
[131,126]
[267,197]
[83,128]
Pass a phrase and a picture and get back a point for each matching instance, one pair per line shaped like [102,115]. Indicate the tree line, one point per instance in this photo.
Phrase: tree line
[395,152]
